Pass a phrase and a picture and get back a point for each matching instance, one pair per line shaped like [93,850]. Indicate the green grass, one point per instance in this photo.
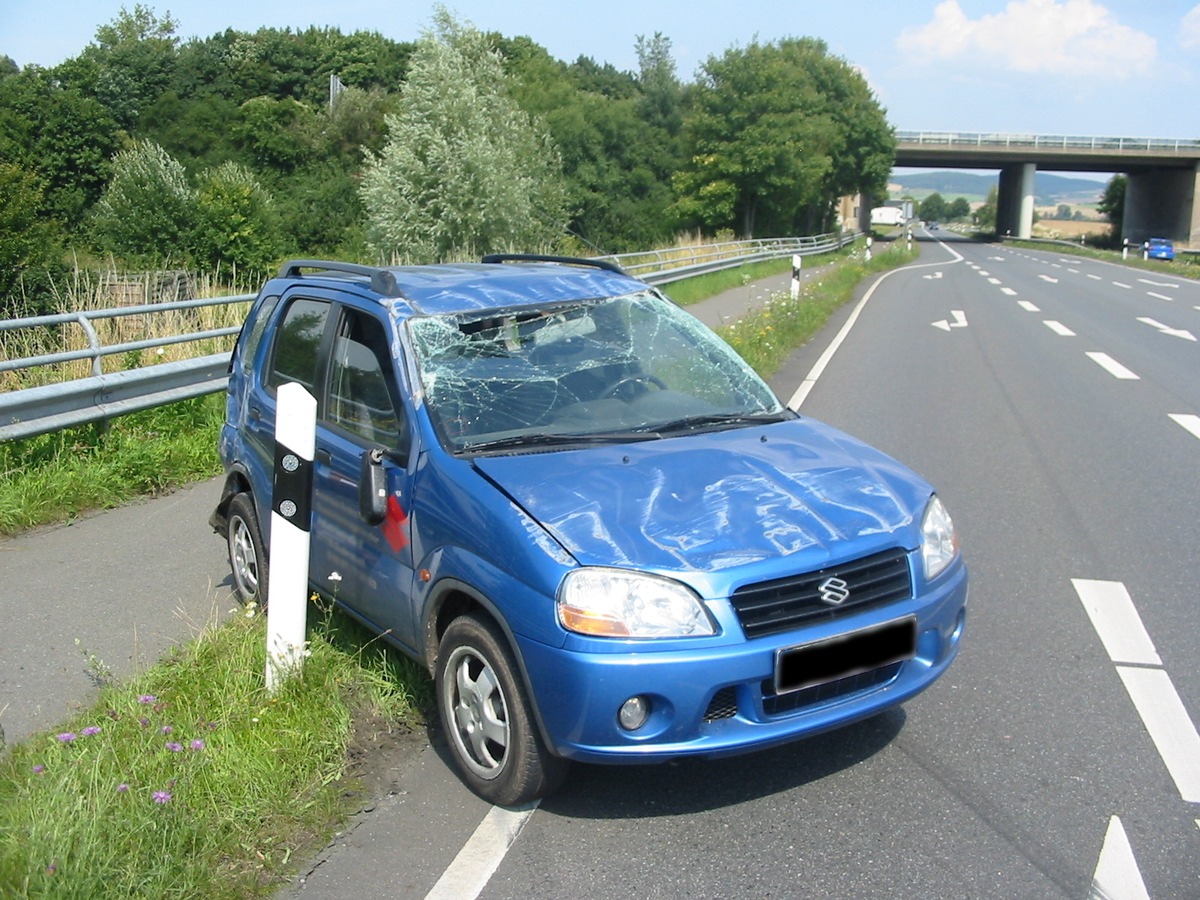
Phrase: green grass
[768,337]
[190,780]
[54,477]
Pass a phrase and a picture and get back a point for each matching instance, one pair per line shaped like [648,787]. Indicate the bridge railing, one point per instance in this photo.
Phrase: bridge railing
[1047,141]
[65,401]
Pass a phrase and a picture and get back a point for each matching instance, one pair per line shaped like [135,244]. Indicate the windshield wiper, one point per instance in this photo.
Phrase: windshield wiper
[558,439]
[710,420]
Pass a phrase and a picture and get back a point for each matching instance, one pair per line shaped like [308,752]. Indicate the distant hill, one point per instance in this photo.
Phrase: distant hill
[1049,188]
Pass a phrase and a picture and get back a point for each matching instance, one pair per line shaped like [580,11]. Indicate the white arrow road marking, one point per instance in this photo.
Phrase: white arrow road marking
[933,277]
[1028,306]
[1165,329]
[960,321]
[1113,367]
[1189,422]
[479,858]
[1048,278]
[1117,876]
[1059,328]
[1166,284]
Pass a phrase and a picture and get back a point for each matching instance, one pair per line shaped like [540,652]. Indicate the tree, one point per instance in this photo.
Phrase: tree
[28,243]
[147,212]
[985,216]
[465,171]
[933,208]
[776,134]
[958,209]
[1112,205]
[236,228]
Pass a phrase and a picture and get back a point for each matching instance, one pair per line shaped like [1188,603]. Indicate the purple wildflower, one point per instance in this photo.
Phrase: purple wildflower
[173,747]
[166,729]
[145,722]
[197,744]
[147,699]
[90,730]
[39,770]
[162,797]
[66,737]
[122,788]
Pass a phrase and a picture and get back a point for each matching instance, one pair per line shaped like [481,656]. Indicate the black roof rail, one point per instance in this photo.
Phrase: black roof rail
[382,281]
[566,260]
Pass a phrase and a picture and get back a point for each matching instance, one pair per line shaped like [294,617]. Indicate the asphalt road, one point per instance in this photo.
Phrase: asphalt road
[1053,401]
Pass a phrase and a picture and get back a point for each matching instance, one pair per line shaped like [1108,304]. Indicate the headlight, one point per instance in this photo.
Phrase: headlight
[620,603]
[939,541]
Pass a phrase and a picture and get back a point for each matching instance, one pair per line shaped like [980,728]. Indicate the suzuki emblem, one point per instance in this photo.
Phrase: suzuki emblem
[834,591]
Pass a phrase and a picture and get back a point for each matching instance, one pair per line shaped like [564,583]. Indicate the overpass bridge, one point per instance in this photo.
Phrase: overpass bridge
[1163,194]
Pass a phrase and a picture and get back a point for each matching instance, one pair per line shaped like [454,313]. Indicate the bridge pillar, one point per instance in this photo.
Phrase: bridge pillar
[1163,203]
[1015,200]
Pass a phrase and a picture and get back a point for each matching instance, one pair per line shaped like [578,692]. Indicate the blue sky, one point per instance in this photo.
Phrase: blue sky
[1076,67]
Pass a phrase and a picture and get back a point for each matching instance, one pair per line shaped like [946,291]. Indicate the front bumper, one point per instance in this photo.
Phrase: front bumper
[713,699]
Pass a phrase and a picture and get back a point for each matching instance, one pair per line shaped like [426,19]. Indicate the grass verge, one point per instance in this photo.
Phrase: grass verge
[191,781]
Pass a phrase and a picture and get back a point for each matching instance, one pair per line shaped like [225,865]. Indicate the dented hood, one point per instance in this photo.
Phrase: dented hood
[710,502]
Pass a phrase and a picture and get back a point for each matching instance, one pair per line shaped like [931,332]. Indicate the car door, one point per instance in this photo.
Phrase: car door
[365,565]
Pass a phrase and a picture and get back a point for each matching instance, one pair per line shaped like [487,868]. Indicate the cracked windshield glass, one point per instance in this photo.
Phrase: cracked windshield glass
[632,367]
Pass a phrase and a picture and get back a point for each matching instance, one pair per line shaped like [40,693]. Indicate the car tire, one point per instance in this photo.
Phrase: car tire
[247,552]
[486,713]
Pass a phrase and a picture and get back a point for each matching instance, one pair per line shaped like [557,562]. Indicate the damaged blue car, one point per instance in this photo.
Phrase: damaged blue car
[596,526]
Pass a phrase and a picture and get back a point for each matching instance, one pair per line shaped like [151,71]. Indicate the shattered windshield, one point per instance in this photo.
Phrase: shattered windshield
[624,368]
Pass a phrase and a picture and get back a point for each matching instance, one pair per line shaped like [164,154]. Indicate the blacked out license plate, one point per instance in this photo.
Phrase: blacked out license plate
[840,657]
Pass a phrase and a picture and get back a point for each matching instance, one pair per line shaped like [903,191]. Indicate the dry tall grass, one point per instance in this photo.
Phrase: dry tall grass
[91,291]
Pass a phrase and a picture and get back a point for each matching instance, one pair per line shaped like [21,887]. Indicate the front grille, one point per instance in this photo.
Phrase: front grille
[780,605]
[779,704]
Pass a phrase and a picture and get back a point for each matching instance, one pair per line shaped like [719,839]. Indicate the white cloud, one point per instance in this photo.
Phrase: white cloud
[1061,37]
[1189,32]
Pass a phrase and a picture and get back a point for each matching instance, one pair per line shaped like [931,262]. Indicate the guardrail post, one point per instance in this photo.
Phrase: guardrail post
[291,518]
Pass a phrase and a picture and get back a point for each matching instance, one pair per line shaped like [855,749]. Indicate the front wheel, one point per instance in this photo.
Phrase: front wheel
[247,552]
[484,709]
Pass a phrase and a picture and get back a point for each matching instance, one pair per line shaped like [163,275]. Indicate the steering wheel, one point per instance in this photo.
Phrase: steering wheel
[641,379]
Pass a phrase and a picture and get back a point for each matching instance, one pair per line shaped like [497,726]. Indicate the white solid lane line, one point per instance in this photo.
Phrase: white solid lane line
[1116,620]
[1114,368]
[479,858]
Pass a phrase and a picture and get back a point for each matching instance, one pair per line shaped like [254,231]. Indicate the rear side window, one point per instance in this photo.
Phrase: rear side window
[298,345]
[253,335]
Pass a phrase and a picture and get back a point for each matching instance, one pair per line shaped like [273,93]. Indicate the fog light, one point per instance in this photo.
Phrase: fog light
[634,713]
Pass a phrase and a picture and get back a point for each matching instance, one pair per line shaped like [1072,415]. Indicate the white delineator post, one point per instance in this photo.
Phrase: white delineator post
[797,261]
[291,517]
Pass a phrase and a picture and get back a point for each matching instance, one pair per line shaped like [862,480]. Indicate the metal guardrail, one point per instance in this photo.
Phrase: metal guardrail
[1049,142]
[39,410]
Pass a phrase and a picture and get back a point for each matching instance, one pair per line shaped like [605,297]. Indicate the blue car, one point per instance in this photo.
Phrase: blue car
[591,521]
[1160,248]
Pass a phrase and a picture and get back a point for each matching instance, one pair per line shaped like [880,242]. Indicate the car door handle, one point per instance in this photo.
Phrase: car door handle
[323,456]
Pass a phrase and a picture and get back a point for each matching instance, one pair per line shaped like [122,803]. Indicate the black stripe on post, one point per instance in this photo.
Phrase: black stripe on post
[291,493]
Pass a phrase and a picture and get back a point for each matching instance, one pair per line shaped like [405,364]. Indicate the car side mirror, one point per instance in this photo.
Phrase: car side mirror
[372,487]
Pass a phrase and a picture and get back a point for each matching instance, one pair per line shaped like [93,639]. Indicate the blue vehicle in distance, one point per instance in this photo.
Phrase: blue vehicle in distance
[1160,248]
[591,521]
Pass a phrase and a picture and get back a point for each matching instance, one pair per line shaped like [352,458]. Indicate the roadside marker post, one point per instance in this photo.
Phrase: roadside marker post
[291,518]
[797,262]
